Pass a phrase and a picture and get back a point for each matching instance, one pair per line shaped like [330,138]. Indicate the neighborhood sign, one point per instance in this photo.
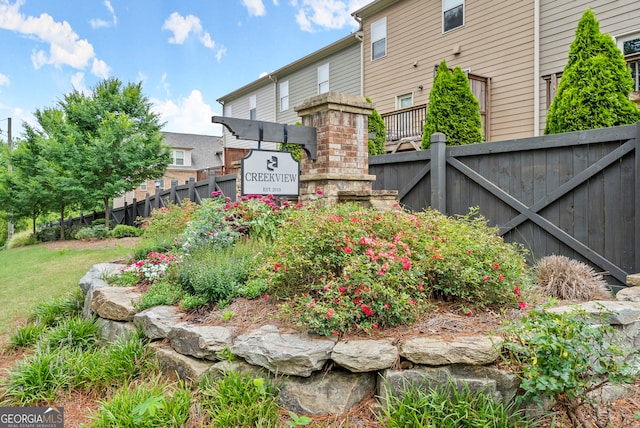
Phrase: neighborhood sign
[270,172]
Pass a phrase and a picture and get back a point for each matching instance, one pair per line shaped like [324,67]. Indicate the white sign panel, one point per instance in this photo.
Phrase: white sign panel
[269,172]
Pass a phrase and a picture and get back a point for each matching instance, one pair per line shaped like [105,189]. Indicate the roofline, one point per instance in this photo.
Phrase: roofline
[372,8]
[334,47]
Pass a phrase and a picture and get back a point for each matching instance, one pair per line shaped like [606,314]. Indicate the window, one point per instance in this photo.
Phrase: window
[323,79]
[284,96]
[178,157]
[552,82]
[159,183]
[143,186]
[404,101]
[452,14]
[630,47]
[252,107]
[379,39]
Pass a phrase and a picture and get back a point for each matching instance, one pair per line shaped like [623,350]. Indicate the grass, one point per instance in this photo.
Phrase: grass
[31,275]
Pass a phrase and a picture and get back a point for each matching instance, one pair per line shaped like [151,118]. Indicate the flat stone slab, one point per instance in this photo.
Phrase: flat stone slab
[475,350]
[115,303]
[615,312]
[186,368]
[158,321]
[200,341]
[629,294]
[282,352]
[633,279]
[360,356]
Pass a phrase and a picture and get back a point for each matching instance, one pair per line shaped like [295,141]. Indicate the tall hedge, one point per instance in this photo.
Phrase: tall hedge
[377,127]
[453,109]
[595,84]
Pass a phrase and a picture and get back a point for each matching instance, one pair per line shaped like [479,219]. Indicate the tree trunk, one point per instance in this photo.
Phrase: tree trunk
[107,213]
[62,222]
[35,218]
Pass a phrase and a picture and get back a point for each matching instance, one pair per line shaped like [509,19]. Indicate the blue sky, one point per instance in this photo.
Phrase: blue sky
[187,53]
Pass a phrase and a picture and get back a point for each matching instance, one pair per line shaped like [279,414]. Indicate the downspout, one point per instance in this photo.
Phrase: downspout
[359,34]
[536,68]
[275,96]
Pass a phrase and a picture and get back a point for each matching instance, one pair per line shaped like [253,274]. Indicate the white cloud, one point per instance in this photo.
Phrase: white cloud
[98,23]
[4,80]
[107,4]
[65,46]
[326,14]
[183,26]
[220,53]
[190,115]
[255,7]
[100,68]
[77,82]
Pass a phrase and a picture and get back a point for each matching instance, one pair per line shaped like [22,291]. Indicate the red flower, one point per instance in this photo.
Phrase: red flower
[375,326]
[347,250]
[329,313]
[496,266]
[341,289]
[406,263]
[486,278]
[469,313]
[522,305]
[277,267]
[469,252]
[517,290]
[265,297]
[335,332]
[412,302]
[319,192]
[386,306]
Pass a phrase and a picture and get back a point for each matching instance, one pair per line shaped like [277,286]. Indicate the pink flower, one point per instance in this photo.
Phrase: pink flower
[347,250]
[469,252]
[501,277]
[341,289]
[469,313]
[375,326]
[265,297]
[517,290]
[406,263]
[319,192]
[386,306]
[329,313]
[522,305]
[412,302]
[335,332]
[486,278]
[496,266]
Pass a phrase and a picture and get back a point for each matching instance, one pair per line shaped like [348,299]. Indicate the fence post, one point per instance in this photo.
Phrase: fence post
[637,196]
[173,195]
[439,172]
[147,206]
[134,212]
[211,186]
[192,190]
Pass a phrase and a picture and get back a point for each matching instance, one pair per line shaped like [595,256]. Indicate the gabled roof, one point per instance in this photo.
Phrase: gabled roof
[337,46]
[206,150]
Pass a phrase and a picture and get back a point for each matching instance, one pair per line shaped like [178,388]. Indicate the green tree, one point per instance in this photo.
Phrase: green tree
[595,85]
[376,127]
[453,109]
[117,139]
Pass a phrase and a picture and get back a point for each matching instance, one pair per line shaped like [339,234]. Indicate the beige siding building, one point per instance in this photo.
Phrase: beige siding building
[513,51]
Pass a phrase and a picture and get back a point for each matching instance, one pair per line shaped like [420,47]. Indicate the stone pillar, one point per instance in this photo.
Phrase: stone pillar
[342,166]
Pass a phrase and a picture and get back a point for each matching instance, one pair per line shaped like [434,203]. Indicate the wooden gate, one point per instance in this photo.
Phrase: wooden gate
[574,194]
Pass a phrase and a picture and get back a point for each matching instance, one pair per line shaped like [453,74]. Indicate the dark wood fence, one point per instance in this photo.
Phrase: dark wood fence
[573,194]
[192,190]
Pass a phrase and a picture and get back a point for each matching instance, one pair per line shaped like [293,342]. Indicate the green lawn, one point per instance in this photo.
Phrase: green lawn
[30,275]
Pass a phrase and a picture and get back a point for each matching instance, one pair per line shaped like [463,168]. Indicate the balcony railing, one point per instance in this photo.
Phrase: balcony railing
[408,122]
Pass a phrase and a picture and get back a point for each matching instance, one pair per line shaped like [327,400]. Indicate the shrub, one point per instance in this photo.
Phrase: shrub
[595,86]
[449,405]
[160,293]
[22,239]
[210,225]
[567,279]
[74,332]
[237,400]
[168,222]
[376,126]
[124,231]
[453,109]
[346,267]
[564,357]
[49,234]
[218,275]
[149,404]
[94,232]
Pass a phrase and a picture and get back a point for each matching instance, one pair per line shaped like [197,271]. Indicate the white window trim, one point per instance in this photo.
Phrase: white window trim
[321,69]
[143,186]
[464,13]
[175,157]
[405,95]
[284,96]
[382,22]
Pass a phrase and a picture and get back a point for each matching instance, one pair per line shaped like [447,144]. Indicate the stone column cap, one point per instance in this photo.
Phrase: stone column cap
[336,101]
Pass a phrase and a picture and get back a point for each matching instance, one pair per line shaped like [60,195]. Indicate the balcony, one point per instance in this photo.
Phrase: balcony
[405,126]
